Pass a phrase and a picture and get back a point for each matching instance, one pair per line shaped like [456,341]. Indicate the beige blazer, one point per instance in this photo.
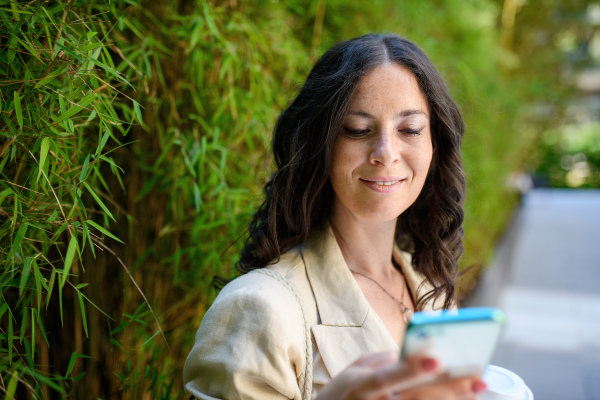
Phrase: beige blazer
[250,344]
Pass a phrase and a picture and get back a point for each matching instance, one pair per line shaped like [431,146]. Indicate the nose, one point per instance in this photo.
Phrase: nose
[386,149]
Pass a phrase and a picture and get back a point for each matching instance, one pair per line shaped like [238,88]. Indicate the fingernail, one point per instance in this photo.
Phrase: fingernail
[479,387]
[428,364]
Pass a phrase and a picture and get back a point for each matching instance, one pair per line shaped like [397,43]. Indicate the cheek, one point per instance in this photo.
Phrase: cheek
[422,159]
[425,163]
[344,161]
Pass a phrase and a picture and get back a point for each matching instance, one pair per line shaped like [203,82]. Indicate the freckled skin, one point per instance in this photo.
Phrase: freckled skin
[386,134]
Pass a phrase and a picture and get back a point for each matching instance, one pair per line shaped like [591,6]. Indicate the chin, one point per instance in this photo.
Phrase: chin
[382,215]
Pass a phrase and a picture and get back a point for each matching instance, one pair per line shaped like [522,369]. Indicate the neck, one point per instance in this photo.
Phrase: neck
[366,245]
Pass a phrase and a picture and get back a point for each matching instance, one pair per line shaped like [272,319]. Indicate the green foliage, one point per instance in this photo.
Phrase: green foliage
[569,156]
[135,142]
[59,118]
[142,124]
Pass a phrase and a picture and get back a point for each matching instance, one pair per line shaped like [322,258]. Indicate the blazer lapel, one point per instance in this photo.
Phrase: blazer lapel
[349,327]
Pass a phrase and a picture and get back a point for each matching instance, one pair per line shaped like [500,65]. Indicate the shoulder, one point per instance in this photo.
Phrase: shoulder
[267,281]
[257,318]
[269,293]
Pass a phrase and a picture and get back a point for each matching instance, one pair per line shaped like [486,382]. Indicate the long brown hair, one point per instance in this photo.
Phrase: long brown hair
[298,197]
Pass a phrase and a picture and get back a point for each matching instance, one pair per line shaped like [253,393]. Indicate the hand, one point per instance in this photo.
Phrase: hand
[380,376]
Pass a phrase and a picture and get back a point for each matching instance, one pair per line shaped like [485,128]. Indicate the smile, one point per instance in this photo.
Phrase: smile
[386,183]
[382,186]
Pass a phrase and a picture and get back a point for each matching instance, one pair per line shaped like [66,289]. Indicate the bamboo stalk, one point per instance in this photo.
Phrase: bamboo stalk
[317,30]
[509,13]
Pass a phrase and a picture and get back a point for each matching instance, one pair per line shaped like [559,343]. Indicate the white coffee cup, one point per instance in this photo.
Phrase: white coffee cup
[503,384]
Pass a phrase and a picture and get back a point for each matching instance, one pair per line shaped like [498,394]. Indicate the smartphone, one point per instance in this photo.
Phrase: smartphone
[463,341]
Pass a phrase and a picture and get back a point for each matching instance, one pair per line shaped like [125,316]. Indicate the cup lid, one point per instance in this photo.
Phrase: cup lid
[504,385]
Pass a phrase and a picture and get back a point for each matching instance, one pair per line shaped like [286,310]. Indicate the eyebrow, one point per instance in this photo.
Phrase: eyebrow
[401,114]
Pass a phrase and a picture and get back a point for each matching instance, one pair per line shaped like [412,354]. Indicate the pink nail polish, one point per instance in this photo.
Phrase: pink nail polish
[479,387]
[428,364]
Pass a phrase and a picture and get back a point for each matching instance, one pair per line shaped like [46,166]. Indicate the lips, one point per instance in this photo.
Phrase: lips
[386,183]
[383,184]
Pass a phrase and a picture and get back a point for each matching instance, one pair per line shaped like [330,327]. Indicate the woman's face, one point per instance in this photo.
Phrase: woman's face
[382,155]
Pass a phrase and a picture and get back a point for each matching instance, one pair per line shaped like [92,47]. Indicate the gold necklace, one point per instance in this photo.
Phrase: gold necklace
[406,312]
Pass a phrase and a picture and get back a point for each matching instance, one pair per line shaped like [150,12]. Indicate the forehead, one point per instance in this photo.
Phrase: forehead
[389,85]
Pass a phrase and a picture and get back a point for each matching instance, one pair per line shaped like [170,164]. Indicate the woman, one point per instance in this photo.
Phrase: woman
[368,159]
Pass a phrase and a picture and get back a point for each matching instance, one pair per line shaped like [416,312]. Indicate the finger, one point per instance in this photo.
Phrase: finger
[400,376]
[464,388]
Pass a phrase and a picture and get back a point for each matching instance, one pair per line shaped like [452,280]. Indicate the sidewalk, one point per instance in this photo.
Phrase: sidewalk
[546,277]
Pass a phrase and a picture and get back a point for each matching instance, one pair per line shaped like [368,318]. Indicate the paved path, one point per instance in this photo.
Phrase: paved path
[546,277]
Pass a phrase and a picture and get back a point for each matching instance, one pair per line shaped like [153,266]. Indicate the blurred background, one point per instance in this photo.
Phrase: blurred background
[134,143]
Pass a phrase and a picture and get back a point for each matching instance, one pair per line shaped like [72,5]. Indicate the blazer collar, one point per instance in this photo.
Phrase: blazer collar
[348,327]
[339,298]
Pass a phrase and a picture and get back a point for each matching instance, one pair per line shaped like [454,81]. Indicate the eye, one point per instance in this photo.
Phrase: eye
[412,131]
[356,132]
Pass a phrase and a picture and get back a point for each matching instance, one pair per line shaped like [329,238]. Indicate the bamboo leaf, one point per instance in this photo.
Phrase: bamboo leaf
[74,357]
[60,42]
[25,274]
[11,126]
[45,147]
[84,169]
[103,141]
[68,51]
[77,194]
[16,12]
[60,305]
[11,336]
[18,109]
[18,238]
[110,71]
[15,212]
[76,108]
[86,234]
[210,22]
[97,308]
[41,326]
[2,164]
[29,46]
[50,287]
[83,317]
[100,203]
[60,230]
[12,384]
[39,281]
[95,54]
[4,194]
[101,229]
[39,275]
[148,340]
[197,197]
[90,46]
[69,260]
[32,331]
[138,112]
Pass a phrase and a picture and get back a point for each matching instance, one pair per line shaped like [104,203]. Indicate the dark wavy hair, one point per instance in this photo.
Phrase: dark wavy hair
[299,196]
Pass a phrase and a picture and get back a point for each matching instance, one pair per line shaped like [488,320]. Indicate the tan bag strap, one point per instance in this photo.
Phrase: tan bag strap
[305,379]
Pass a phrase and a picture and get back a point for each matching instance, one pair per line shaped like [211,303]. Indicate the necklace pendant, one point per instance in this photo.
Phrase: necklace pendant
[408,314]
